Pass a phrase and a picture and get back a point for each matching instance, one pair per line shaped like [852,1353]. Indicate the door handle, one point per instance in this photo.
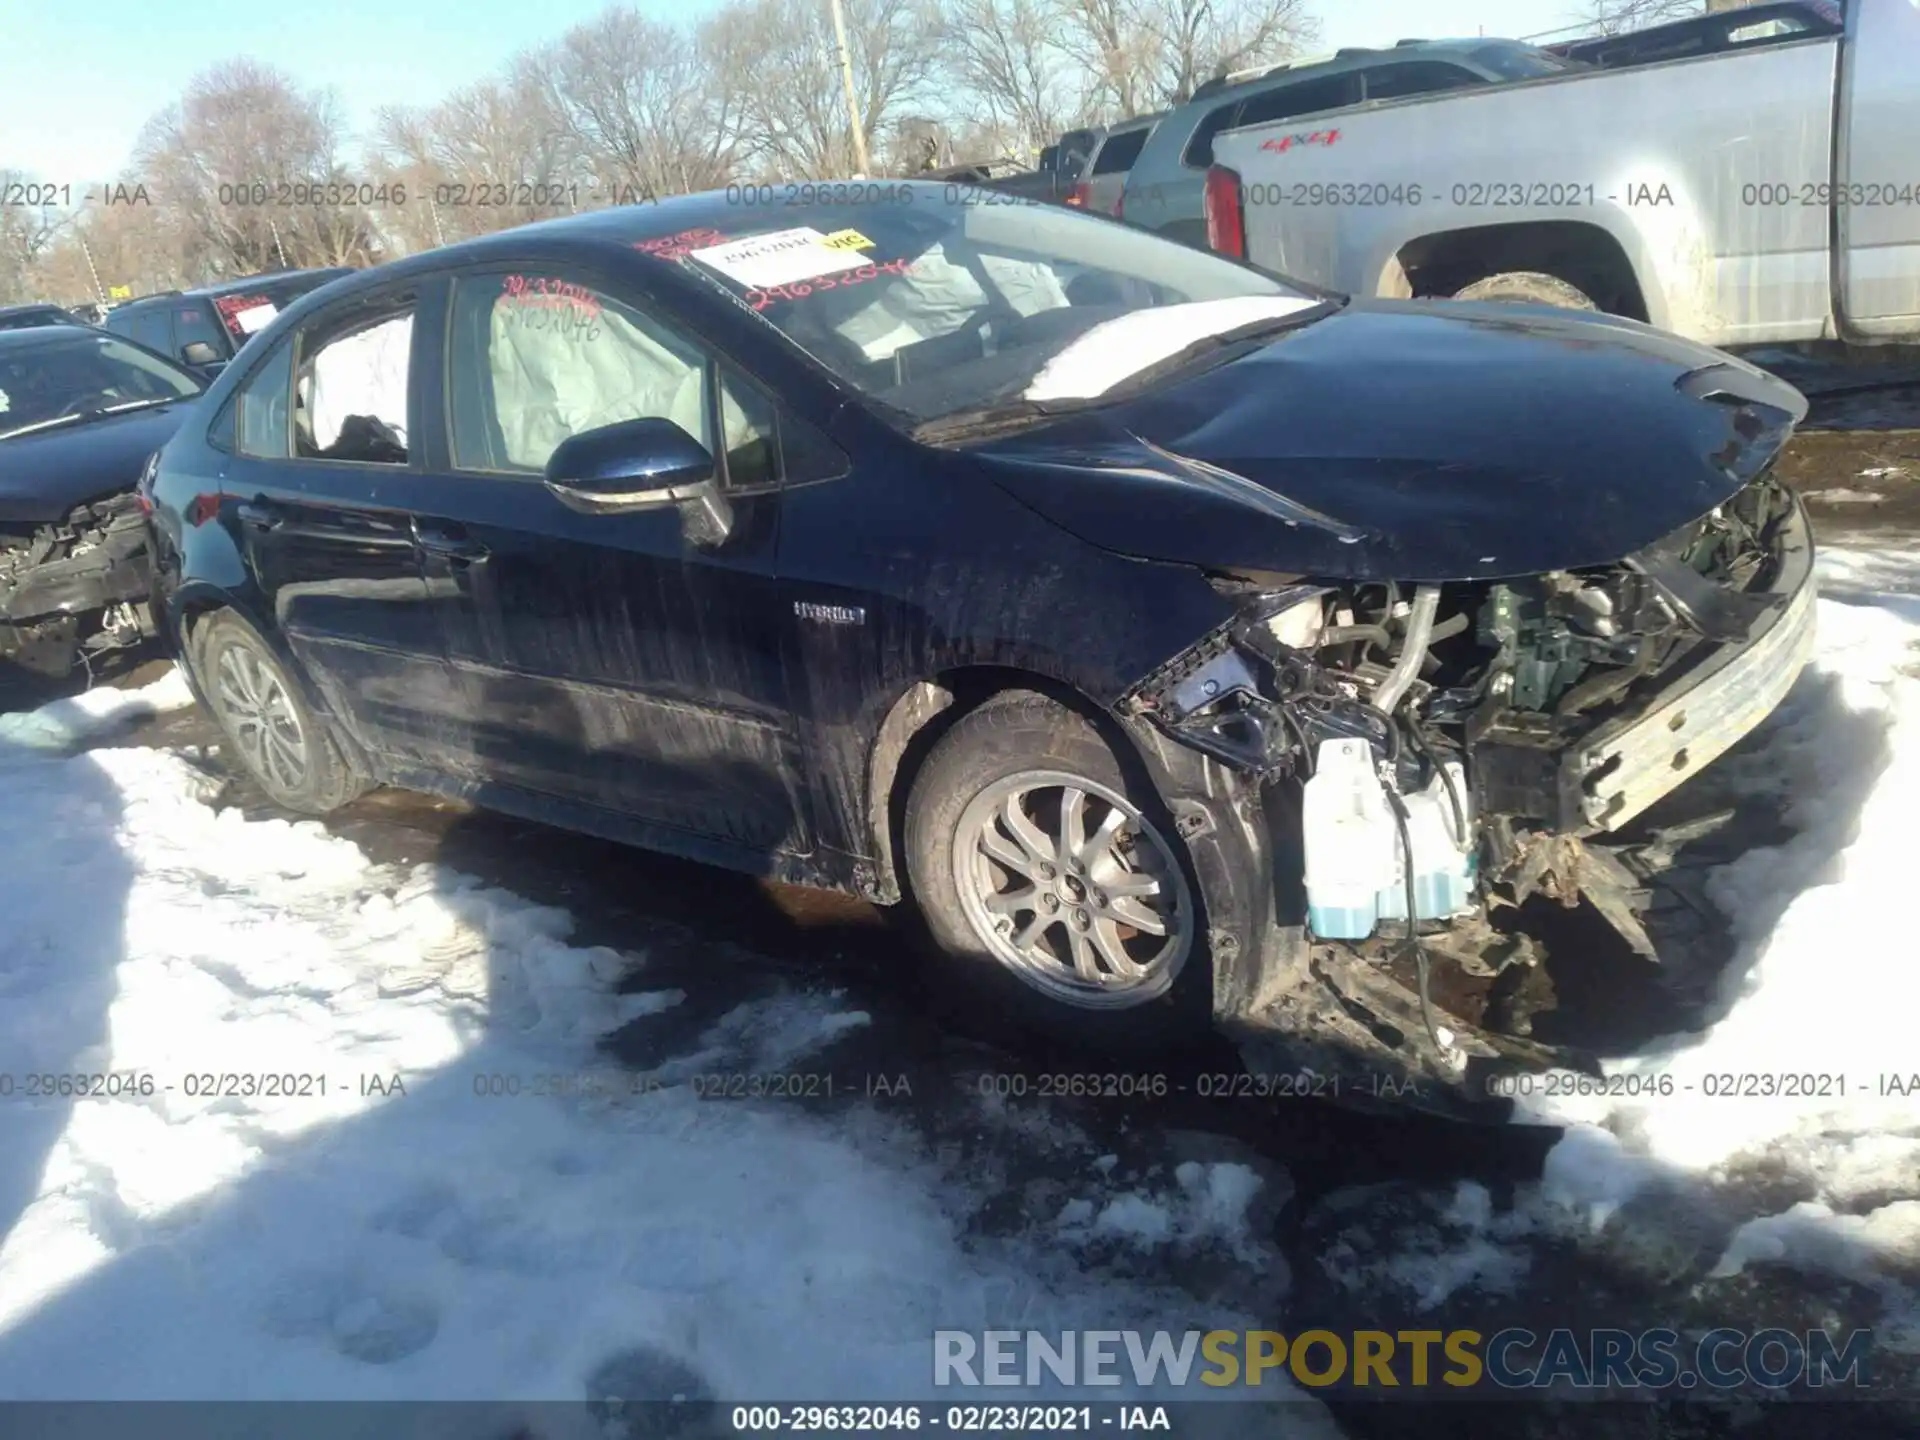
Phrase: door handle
[260,514]
[447,544]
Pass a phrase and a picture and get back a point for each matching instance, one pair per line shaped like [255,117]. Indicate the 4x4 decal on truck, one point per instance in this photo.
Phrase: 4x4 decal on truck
[1287,142]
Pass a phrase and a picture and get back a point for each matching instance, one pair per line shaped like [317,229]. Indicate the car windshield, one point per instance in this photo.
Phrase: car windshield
[1524,62]
[64,379]
[953,300]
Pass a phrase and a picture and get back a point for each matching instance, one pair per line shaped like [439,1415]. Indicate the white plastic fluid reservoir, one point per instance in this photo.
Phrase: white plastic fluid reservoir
[1443,872]
[1350,840]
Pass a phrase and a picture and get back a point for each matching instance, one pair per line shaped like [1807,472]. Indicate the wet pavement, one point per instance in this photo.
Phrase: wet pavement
[728,940]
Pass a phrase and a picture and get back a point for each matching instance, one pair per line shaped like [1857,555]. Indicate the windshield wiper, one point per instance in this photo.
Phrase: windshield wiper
[1009,415]
[75,417]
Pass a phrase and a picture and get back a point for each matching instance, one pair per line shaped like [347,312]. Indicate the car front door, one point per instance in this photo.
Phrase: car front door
[617,660]
[320,490]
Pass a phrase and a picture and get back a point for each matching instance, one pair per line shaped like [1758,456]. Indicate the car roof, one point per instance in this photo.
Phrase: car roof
[227,287]
[1339,62]
[31,306]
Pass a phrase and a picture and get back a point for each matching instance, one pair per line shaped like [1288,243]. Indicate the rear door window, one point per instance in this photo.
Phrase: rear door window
[1415,77]
[1118,154]
[1307,98]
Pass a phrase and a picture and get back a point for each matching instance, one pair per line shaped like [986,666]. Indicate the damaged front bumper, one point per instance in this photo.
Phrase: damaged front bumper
[1356,1016]
[74,585]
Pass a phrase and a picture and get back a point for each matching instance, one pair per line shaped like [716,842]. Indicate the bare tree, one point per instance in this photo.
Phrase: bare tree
[220,158]
[636,98]
[1144,55]
[27,233]
[1616,17]
[1005,55]
[794,112]
[492,155]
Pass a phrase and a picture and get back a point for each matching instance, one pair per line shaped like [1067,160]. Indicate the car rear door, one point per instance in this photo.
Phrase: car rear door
[609,661]
[321,489]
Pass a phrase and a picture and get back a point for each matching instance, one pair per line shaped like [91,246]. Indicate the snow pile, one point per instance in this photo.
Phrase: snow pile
[66,723]
[1818,1006]
[1462,1244]
[1207,1205]
[313,1159]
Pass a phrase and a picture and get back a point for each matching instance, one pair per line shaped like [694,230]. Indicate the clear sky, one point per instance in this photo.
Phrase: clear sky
[79,77]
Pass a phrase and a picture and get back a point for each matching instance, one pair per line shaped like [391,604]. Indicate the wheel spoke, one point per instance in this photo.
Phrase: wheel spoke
[1106,939]
[1128,911]
[1030,933]
[1098,853]
[1131,882]
[1020,825]
[1006,851]
[1086,962]
[1073,807]
[1012,902]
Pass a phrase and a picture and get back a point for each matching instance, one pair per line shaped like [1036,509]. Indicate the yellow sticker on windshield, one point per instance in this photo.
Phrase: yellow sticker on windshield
[847,240]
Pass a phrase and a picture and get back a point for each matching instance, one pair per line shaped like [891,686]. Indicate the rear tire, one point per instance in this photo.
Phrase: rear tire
[1043,872]
[1528,287]
[287,749]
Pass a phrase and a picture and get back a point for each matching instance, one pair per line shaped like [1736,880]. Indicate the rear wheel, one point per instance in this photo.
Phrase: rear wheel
[285,747]
[1056,889]
[1528,287]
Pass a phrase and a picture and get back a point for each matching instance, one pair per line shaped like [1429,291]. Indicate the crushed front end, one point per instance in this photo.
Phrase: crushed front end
[1433,755]
[75,586]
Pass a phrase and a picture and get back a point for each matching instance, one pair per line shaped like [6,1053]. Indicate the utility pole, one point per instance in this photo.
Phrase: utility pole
[853,104]
[93,270]
[278,246]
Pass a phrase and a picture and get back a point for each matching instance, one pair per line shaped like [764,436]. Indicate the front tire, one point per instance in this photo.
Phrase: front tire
[283,745]
[1055,888]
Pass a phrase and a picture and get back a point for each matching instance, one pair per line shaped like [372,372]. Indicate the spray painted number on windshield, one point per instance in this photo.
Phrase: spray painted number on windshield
[760,299]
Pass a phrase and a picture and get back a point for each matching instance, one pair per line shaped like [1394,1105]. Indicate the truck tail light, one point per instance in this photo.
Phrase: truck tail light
[1226,222]
[1077,195]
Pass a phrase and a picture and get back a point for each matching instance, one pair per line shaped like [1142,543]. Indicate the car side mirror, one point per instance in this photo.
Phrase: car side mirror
[641,465]
[201,355]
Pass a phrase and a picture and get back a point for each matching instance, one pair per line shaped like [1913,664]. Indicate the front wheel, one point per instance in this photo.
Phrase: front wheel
[1056,889]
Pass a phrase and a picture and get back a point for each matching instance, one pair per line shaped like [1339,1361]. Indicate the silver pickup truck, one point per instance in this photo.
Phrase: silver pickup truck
[1765,195]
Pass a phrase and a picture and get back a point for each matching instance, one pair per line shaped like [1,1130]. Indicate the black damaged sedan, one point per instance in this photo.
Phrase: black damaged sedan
[1179,641]
[81,413]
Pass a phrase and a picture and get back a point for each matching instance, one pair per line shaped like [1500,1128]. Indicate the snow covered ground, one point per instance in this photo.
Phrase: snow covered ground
[441,1242]
[392,1228]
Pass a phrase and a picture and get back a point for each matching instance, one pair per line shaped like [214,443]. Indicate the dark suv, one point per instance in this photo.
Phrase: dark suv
[1166,188]
[203,329]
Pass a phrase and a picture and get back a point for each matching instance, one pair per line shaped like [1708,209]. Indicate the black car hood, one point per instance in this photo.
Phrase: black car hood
[1413,440]
[45,474]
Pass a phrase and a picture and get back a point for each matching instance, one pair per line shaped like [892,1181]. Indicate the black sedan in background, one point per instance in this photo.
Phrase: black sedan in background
[81,413]
[1182,641]
[28,317]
